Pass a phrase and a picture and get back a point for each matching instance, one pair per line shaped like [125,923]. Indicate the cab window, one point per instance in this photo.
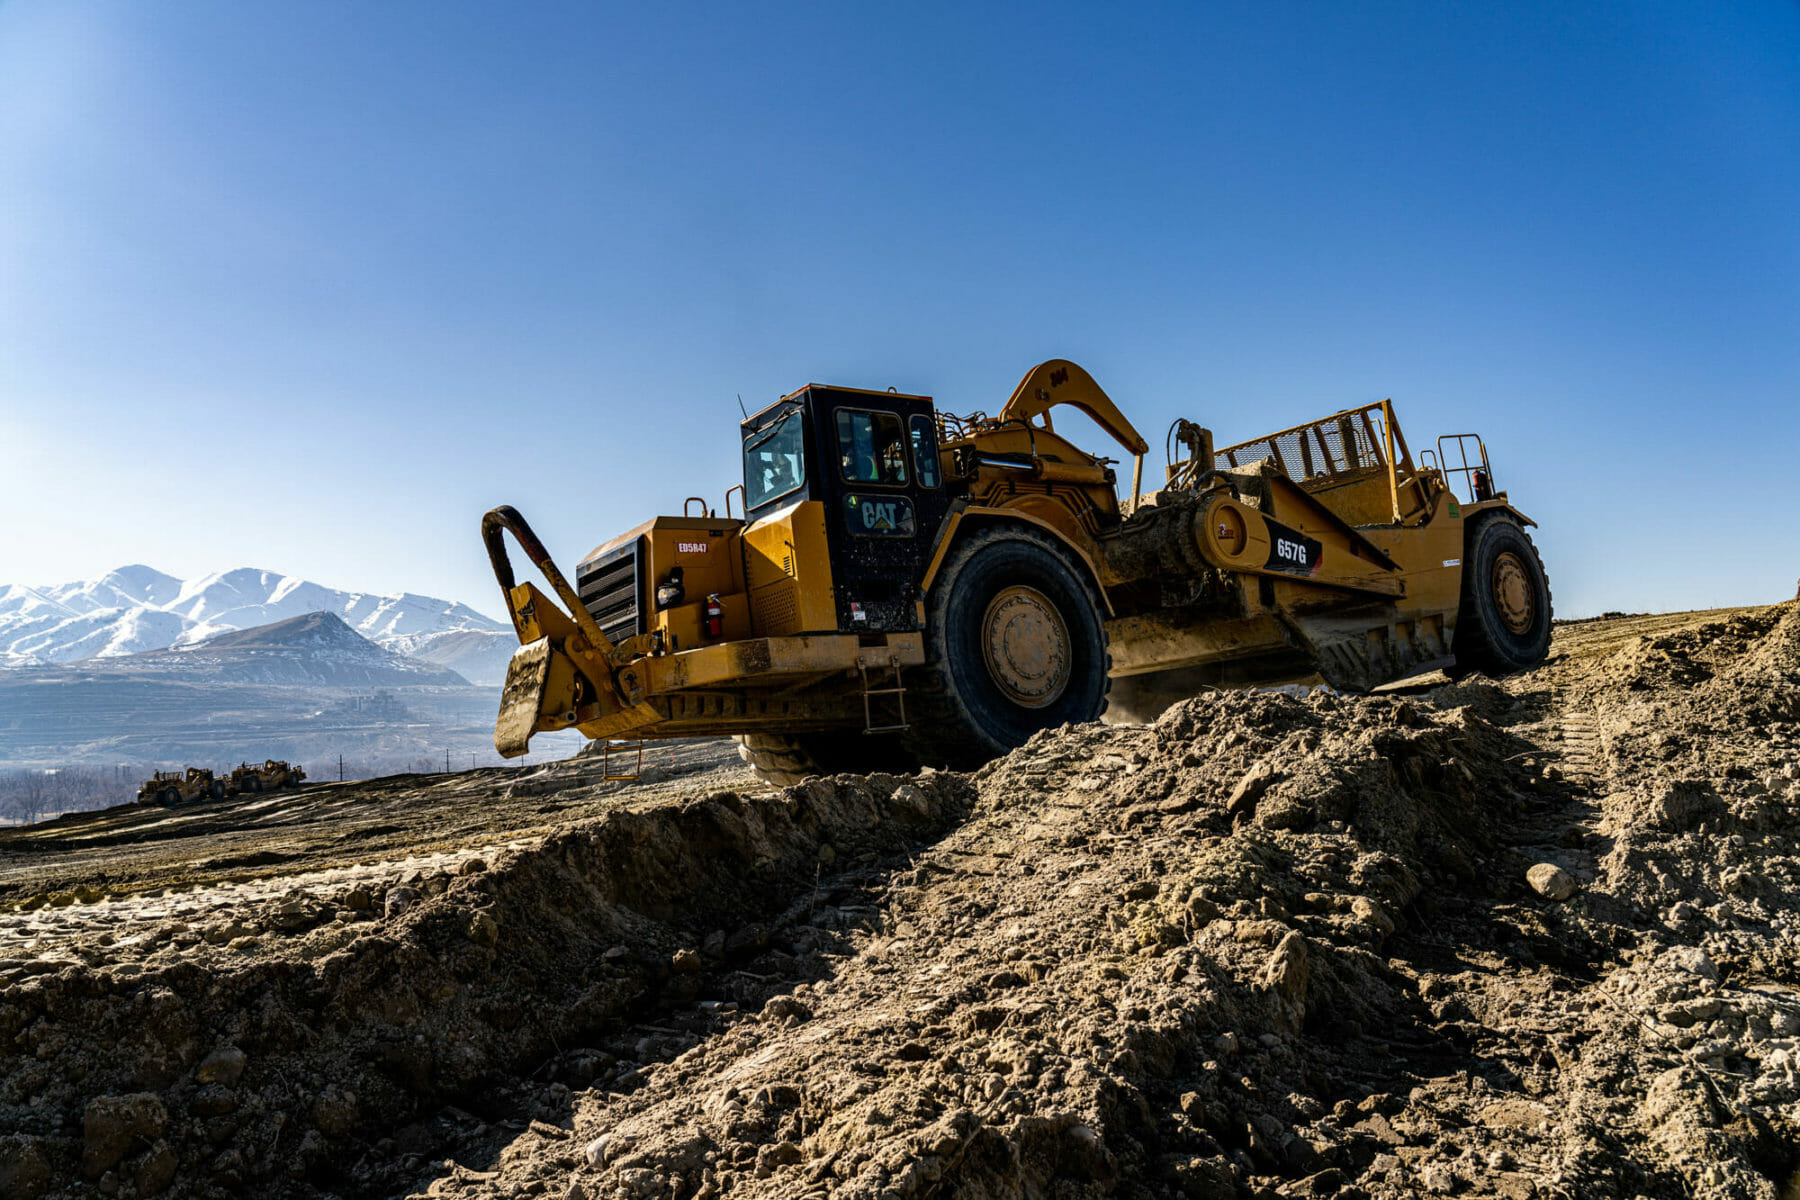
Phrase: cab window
[872,447]
[774,459]
[924,446]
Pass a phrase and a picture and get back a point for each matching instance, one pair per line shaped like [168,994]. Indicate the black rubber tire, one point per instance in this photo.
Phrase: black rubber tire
[959,716]
[216,789]
[784,759]
[1483,640]
[252,784]
[169,798]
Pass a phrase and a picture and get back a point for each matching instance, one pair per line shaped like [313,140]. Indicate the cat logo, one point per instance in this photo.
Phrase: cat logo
[879,516]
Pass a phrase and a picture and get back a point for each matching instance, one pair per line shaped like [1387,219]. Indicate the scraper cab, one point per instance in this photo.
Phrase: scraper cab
[908,587]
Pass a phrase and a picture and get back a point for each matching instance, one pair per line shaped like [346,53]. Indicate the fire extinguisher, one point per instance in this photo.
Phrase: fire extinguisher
[715,617]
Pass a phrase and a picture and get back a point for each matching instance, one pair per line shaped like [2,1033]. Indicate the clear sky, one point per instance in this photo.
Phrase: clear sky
[309,286]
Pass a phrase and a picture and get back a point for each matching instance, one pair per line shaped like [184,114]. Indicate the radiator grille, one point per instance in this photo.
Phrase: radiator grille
[611,586]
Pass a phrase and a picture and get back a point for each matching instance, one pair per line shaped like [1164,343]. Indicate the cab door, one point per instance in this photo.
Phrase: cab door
[879,477]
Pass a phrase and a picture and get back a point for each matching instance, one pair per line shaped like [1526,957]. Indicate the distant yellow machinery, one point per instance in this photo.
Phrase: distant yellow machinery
[272,774]
[198,783]
[179,787]
[909,587]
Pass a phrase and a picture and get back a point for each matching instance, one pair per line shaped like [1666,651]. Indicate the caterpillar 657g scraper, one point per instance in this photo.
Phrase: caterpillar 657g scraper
[908,587]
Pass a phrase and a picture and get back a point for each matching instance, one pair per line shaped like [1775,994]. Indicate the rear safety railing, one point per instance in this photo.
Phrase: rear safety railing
[1477,476]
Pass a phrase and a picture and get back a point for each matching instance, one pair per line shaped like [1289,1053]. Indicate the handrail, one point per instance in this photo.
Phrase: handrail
[1467,469]
[691,500]
[743,496]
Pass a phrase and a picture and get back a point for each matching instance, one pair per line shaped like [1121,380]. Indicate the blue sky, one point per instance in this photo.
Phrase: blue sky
[310,286]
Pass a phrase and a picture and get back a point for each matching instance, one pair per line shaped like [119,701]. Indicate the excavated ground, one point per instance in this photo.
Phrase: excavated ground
[1527,938]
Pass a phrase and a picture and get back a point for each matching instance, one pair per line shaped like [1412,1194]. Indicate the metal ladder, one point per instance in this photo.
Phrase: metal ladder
[898,692]
[625,747]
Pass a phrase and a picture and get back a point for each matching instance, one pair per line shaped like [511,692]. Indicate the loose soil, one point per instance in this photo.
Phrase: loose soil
[1532,937]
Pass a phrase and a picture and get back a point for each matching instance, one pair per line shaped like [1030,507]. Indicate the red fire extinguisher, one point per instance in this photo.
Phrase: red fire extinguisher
[715,616]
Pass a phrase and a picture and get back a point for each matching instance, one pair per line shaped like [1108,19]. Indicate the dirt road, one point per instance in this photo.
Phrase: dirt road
[1533,937]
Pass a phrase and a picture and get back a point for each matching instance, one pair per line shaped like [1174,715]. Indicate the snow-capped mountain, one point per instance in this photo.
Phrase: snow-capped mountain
[317,648]
[136,608]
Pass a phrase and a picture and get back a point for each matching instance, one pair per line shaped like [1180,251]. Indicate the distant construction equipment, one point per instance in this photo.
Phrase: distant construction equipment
[170,788]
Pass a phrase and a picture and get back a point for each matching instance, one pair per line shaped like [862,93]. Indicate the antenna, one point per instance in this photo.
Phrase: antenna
[741,407]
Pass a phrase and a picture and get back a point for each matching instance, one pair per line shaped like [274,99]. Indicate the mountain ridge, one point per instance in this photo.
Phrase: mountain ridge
[136,608]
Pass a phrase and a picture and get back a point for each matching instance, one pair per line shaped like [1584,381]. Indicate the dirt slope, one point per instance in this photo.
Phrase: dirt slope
[1532,937]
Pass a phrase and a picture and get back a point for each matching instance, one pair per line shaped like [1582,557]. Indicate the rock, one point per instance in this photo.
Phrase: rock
[1551,881]
[358,899]
[25,1169]
[214,1100]
[1679,805]
[608,1147]
[783,1007]
[1251,787]
[686,961]
[1368,912]
[471,866]
[1692,960]
[335,1112]
[112,1126]
[1285,972]
[1226,1043]
[157,1170]
[483,929]
[399,900]
[223,1066]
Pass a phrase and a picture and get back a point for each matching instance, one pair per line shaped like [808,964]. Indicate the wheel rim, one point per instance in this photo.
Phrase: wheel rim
[1026,646]
[1513,593]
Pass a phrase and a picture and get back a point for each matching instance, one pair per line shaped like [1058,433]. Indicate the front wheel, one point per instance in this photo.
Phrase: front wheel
[1014,643]
[1503,624]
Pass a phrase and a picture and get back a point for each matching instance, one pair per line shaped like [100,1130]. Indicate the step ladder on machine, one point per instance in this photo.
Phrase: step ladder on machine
[897,691]
[624,747]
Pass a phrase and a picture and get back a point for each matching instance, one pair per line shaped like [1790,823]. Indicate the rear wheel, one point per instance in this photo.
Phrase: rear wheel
[784,760]
[1014,643]
[216,789]
[1503,624]
[170,797]
[252,784]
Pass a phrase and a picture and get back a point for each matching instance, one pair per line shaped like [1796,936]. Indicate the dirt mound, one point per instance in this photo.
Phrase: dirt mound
[1533,938]
[1142,959]
[261,1050]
